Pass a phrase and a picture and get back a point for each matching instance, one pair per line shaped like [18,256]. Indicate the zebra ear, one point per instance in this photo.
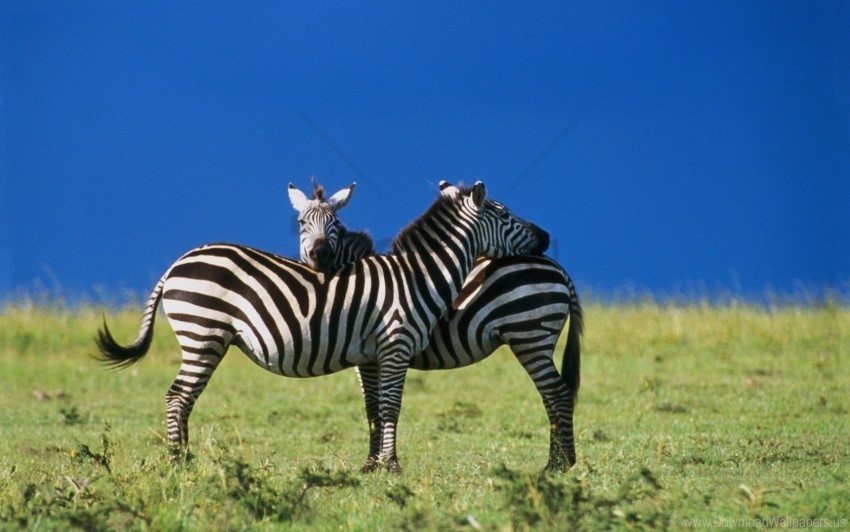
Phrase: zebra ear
[479,192]
[447,190]
[299,199]
[340,199]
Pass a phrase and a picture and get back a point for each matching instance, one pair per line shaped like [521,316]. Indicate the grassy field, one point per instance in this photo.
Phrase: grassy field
[689,416]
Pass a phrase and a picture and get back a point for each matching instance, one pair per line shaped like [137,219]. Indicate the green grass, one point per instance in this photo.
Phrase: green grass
[688,415]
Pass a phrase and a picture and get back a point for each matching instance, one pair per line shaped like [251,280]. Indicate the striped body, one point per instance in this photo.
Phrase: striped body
[294,321]
[523,302]
[278,311]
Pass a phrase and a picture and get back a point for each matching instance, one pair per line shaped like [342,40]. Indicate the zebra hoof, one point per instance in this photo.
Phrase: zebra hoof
[393,467]
[554,467]
[179,455]
[559,465]
[370,466]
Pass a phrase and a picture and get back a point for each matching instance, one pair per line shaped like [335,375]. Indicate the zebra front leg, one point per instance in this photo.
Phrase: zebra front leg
[195,372]
[370,386]
[558,401]
[392,374]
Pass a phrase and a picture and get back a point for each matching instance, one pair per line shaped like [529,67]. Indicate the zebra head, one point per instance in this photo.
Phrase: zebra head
[500,231]
[320,228]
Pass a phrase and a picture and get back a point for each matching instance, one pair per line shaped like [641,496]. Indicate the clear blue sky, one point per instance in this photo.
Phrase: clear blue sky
[668,146]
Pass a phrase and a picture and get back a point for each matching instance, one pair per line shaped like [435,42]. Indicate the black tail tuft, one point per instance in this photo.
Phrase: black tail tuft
[571,363]
[117,356]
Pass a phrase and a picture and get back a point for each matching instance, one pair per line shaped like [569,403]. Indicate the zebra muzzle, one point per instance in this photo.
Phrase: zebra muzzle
[321,253]
[542,240]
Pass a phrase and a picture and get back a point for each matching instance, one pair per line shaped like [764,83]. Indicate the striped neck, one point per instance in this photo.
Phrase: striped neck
[446,245]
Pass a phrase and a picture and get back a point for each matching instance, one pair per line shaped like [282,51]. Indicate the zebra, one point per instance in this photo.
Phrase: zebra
[521,301]
[296,322]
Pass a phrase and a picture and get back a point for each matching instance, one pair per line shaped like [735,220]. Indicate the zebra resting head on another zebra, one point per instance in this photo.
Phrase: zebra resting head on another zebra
[523,302]
[375,313]
[322,235]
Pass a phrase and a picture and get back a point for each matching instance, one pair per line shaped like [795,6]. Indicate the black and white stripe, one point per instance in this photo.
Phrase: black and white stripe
[297,322]
[523,302]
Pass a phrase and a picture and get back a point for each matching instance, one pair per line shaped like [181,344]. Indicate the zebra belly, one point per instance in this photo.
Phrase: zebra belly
[309,358]
[449,348]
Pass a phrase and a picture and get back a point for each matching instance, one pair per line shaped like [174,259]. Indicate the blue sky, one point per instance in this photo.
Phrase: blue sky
[666,146]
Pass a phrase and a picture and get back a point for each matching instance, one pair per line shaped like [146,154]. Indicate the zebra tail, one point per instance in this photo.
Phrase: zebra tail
[571,363]
[118,356]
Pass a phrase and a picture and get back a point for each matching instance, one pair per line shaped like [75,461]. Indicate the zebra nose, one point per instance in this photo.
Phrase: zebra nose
[324,253]
[320,253]
[542,240]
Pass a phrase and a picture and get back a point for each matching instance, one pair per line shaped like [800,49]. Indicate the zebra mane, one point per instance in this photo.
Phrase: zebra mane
[406,238]
[359,235]
[360,243]
[318,192]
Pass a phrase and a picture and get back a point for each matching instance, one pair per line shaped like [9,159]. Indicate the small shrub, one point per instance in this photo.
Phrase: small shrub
[84,454]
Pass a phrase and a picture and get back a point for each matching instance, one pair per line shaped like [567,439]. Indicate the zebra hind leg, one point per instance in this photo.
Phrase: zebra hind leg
[558,402]
[195,373]
[562,453]
[369,385]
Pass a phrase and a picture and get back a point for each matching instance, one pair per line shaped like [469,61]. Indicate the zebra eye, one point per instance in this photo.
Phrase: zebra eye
[301,221]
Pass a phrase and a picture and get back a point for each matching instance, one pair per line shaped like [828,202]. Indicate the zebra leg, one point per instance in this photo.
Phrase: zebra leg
[392,374]
[562,452]
[558,401]
[195,372]
[370,386]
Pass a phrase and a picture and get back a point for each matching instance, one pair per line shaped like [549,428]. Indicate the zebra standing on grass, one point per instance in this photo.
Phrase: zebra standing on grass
[522,302]
[294,321]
